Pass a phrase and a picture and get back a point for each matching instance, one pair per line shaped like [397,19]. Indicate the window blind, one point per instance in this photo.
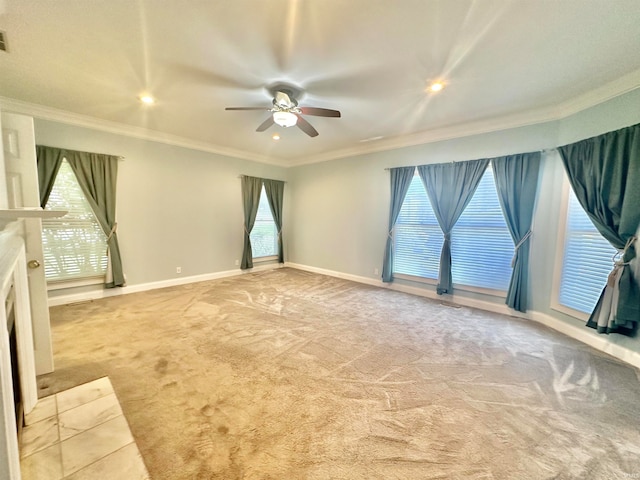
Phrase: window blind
[587,261]
[481,245]
[74,246]
[264,235]
[417,235]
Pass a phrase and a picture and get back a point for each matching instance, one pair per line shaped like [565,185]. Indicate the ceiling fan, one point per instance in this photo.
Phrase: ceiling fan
[286,112]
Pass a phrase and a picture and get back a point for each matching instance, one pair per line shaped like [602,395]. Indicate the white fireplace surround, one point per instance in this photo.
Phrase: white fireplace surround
[15,294]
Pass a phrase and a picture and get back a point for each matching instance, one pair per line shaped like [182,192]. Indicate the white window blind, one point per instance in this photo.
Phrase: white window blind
[481,245]
[74,246]
[587,260]
[264,235]
[417,235]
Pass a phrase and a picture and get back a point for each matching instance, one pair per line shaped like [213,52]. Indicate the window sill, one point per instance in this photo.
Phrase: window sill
[577,314]
[413,278]
[484,291]
[459,287]
[78,282]
[270,258]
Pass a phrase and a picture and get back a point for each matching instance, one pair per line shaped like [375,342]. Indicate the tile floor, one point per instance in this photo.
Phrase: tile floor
[80,434]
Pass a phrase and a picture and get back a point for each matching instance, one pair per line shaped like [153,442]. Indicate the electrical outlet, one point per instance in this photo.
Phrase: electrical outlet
[237,262]
[178,269]
[375,271]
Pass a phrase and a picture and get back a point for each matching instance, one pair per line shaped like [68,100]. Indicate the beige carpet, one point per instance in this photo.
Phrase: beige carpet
[291,375]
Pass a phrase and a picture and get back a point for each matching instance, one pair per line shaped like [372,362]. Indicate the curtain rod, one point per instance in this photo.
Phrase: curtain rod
[545,150]
[119,157]
[283,181]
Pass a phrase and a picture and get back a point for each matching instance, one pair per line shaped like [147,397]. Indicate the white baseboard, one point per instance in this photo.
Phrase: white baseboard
[582,334]
[589,337]
[333,273]
[143,287]
[421,292]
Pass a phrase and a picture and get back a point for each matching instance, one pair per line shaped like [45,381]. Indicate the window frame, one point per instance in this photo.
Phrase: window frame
[556,282]
[61,284]
[397,228]
[456,286]
[266,258]
[53,285]
[476,288]
[563,219]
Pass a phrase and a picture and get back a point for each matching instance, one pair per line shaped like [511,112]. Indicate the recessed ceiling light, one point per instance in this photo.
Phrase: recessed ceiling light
[436,86]
[276,136]
[147,99]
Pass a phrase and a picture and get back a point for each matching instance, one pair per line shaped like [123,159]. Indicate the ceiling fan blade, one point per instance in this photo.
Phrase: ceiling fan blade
[320,112]
[266,124]
[306,126]
[247,108]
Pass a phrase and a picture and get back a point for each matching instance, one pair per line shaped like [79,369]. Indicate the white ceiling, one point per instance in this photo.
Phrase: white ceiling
[505,63]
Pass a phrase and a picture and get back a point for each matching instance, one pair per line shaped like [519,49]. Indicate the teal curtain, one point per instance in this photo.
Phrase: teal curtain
[604,172]
[49,161]
[450,187]
[97,176]
[275,194]
[516,179]
[400,181]
[251,189]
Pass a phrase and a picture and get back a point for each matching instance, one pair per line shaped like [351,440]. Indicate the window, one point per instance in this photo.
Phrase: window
[75,247]
[586,262]
[417,235]
[481,246]
[264,235]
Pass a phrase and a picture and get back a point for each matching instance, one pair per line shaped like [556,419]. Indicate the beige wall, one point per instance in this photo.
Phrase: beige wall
[175,206]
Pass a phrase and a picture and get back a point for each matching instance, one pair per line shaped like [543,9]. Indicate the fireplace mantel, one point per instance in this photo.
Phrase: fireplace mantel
[15,213]
[13,276]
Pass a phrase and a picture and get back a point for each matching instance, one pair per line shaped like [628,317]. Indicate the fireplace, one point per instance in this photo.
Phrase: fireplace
[18,390]
[13,351]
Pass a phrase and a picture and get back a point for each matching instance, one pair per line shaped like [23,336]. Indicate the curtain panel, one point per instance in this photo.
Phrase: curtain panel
[251,189]
[49,161]
[400,182]
[516,178]
[450,187]
[604,172]
[97,176]
[274,190]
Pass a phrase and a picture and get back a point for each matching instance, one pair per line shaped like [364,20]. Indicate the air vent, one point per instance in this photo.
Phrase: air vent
[3,41]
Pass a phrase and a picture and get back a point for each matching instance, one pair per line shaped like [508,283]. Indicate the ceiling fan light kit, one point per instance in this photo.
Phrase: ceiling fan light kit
[286,113]
[285,119]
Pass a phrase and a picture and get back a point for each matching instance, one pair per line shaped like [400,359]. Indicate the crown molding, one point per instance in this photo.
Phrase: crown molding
[469,129]
[49,113]
[606,92]
[622,85]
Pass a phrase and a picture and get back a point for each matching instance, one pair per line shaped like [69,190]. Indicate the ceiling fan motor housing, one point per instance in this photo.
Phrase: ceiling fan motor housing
[284,100]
